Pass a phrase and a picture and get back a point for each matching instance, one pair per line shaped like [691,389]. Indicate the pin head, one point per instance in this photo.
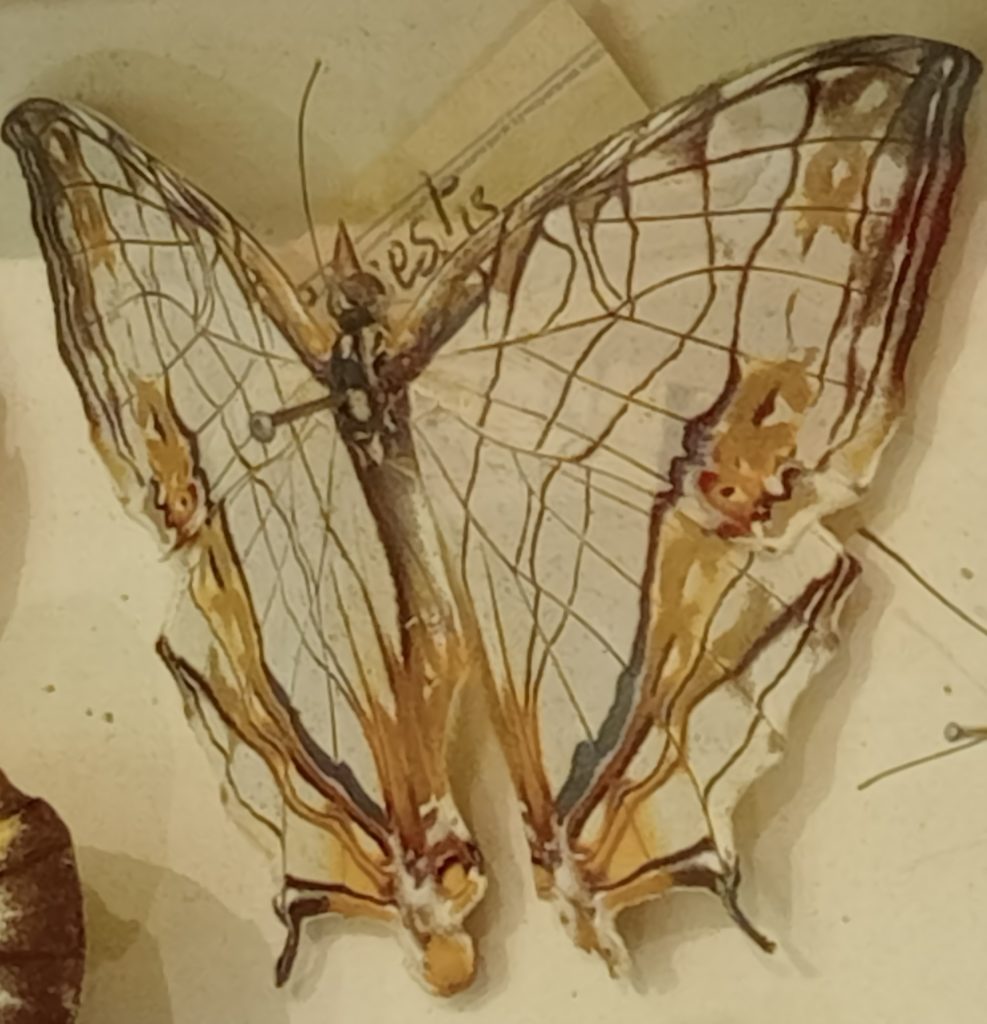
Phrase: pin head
[262,427]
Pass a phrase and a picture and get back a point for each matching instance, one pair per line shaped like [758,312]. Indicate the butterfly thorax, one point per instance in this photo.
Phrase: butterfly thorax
[367,413]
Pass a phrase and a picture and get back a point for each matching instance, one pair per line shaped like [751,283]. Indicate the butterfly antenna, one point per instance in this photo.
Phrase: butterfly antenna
[903,562]
[303,171]
[954,734]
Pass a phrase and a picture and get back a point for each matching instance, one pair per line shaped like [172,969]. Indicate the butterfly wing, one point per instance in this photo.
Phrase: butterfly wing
[42,934]
[289,639]
[637,395]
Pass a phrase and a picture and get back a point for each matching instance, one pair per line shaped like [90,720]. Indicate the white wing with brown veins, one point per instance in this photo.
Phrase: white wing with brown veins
[640,392]
[319,651]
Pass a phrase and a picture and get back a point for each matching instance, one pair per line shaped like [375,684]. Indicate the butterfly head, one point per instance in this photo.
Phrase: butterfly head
[356,299]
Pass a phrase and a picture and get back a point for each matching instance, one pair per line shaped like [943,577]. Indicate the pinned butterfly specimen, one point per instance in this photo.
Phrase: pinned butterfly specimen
[586,470]
[42,933]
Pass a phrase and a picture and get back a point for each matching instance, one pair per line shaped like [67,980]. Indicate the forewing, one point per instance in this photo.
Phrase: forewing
[178,330]
[637,395]
[42,933]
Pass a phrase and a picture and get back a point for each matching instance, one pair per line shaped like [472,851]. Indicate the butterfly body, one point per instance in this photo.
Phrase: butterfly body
[588,469]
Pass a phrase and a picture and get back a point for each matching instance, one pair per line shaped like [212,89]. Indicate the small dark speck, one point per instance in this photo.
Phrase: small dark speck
[49,688]
[154,702]
[845,918]
[89,712]
[108,717]
[947,689]
[125,597]
[966,573]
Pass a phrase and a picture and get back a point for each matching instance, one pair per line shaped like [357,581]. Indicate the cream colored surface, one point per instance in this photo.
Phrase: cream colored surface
[879,899]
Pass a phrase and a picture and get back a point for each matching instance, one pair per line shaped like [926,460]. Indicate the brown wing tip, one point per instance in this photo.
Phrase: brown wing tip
[888,45]
[31,117]
[947,59]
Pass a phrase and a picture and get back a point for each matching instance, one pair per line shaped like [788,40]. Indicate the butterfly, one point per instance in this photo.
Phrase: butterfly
[42,932]
[585,471]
